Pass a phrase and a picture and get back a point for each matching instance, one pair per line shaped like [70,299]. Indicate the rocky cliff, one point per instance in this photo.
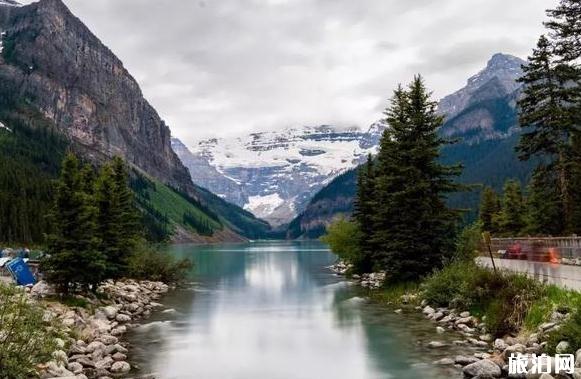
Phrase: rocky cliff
[52,61]
[51,64]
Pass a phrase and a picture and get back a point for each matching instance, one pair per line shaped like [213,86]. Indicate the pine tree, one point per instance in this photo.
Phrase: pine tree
[489,208]
[510,221]
[543,206]
[118,220]
[413,230]
[547,115]
[363,213]
[565,24]
[74,259]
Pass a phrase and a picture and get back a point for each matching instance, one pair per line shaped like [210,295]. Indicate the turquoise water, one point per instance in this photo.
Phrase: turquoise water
[273,310]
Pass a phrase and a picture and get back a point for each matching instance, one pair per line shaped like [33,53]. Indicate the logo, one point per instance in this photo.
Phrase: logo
[542,364]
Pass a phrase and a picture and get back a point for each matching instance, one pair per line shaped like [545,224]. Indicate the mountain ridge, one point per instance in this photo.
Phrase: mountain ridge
[483,118]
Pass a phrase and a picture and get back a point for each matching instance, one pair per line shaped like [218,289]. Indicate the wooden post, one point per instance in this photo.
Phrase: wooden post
[488,240]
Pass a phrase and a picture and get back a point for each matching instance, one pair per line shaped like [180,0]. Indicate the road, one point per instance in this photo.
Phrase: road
[561,275]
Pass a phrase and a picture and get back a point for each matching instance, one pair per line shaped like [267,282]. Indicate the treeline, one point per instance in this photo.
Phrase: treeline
[550,115]
[30,154]
[401,223]
[94,225]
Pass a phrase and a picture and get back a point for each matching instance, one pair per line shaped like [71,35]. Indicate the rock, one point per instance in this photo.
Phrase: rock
[86,362]
[55,369]
[104,363]
[546,326]
[42,289]
[499,344]
[436,344]
[119,357]
[465,314]
[108,339]
[440,330]
[514,349]
[444,362]
[398,311]
[120,349]
[577,373]
[465,320]
[119,330]
[75,367]
[562,347]
[428,310]
[110,311]
[95,345]
[486,337]
[546,376]
[465,360]
[123,318]
[578,358]
[483,367]
[120,367]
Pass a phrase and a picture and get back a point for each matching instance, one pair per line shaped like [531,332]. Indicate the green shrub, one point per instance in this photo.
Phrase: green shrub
[504,298]
[468,242]
[147,263]
[25,339]
[343,239]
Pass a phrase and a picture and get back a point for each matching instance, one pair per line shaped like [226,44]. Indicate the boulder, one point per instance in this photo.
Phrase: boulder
[444,362]
[578,359]
[120,367]
[440,330]
[119,357]
[42,289]
[75,367]
[481,368]
[95,345]
[121,317]
[104,363]
[110,311]
[499,344]
[428,310]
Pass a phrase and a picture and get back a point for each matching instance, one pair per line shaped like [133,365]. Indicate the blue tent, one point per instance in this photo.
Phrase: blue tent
[20,272]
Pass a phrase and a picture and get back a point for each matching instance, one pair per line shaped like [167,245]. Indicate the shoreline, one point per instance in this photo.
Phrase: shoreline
[94,345]
[493,363]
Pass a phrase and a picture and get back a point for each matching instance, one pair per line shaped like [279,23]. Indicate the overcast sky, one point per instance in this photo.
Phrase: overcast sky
[223,67]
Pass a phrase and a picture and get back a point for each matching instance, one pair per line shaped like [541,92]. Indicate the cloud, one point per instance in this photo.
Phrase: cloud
[223,67]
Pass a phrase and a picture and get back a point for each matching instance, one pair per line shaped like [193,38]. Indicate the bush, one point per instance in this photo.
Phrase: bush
[504,298]
[147,263]
[25,340]
[343,239]
[468,242]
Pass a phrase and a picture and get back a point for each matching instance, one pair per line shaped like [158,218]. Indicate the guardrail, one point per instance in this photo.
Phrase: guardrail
[568,247]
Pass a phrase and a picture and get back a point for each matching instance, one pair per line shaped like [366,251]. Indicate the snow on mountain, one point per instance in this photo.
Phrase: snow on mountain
[277,172]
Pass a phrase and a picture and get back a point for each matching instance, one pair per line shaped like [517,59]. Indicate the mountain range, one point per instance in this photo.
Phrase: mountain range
[482,117]
[56,76]
[274,174]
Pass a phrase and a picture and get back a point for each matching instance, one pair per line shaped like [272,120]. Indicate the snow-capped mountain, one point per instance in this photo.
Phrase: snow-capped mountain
[274,174]
[501,69]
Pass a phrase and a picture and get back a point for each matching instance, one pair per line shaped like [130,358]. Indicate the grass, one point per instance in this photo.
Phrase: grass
[395,293]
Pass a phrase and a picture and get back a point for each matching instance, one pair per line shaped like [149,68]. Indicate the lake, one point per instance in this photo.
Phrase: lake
[274,310]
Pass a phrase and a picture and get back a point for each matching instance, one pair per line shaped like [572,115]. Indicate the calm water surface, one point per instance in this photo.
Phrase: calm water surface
[273,310]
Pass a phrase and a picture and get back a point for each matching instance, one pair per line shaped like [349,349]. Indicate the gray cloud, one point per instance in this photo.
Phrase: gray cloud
[220,67]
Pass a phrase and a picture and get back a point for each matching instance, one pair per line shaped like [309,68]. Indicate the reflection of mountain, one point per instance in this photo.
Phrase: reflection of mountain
[482,115]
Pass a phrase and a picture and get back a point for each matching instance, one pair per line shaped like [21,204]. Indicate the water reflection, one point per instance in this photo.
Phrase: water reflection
[272,310]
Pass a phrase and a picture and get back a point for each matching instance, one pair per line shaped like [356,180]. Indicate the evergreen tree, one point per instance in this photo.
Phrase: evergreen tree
[548,115]
[565,24]
[74,258]
[413,230]
[489,208]
[118,221]
[543,205]
[363,213]
[510,221]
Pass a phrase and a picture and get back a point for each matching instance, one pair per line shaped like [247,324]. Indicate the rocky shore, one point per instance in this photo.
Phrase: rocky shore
[93,347]
[492,359]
